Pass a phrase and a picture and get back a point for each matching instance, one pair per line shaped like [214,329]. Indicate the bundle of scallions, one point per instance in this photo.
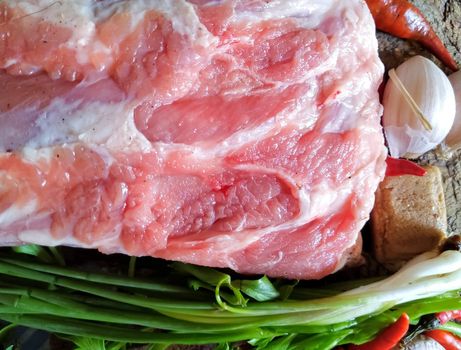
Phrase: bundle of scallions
[197,305]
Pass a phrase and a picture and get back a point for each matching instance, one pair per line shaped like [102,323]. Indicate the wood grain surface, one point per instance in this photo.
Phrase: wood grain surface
[445,16]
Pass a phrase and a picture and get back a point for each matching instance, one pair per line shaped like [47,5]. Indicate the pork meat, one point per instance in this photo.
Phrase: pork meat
[234,133]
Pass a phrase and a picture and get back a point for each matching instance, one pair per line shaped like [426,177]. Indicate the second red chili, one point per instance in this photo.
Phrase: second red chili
[388,338]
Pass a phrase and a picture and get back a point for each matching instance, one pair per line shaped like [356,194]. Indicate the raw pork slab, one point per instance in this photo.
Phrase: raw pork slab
[238,133]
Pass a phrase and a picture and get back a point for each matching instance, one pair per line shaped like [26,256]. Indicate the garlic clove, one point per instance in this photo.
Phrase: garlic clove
[453,140]
[419,108]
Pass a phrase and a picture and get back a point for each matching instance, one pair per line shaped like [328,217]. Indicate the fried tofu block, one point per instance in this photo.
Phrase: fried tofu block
[409,217]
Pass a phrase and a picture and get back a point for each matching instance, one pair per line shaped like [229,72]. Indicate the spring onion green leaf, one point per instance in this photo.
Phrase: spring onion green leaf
[285,289]
[132,266]
[280,343]
[35,250]
[216,279]
[223,346]
[95,277]
[207,306]
[260,290]
[84,343]
[322,341]
[57,256]
[5,331]
[260,343]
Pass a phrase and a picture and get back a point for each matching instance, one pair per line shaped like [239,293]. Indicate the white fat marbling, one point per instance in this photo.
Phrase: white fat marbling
[17,212]
[83,16]
[94,123]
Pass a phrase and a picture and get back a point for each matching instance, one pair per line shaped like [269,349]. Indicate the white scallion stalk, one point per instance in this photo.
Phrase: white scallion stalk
[427,275]
[419,108]
[424,277]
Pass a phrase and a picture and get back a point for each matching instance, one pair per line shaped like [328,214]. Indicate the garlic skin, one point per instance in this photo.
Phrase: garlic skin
[424,343]
[432,92]
[453,140]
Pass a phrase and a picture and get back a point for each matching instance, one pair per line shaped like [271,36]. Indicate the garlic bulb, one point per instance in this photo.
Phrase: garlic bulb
[453,139]
[424,343]
[419,108]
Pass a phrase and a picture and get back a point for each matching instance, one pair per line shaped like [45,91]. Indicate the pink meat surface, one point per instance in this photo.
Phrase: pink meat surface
[234,133]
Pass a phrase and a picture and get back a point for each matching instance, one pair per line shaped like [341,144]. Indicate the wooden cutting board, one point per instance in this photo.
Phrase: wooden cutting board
[445,16]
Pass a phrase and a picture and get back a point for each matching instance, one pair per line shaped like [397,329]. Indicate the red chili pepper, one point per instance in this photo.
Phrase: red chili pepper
[402,19]
[433,321]
[398,167]
[448,340]
[388,338]
[446,316]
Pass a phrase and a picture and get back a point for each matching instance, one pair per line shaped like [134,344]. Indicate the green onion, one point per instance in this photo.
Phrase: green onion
[209,306]
[98,277]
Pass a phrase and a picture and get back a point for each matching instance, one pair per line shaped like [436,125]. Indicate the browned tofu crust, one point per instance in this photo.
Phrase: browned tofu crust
[409,217]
